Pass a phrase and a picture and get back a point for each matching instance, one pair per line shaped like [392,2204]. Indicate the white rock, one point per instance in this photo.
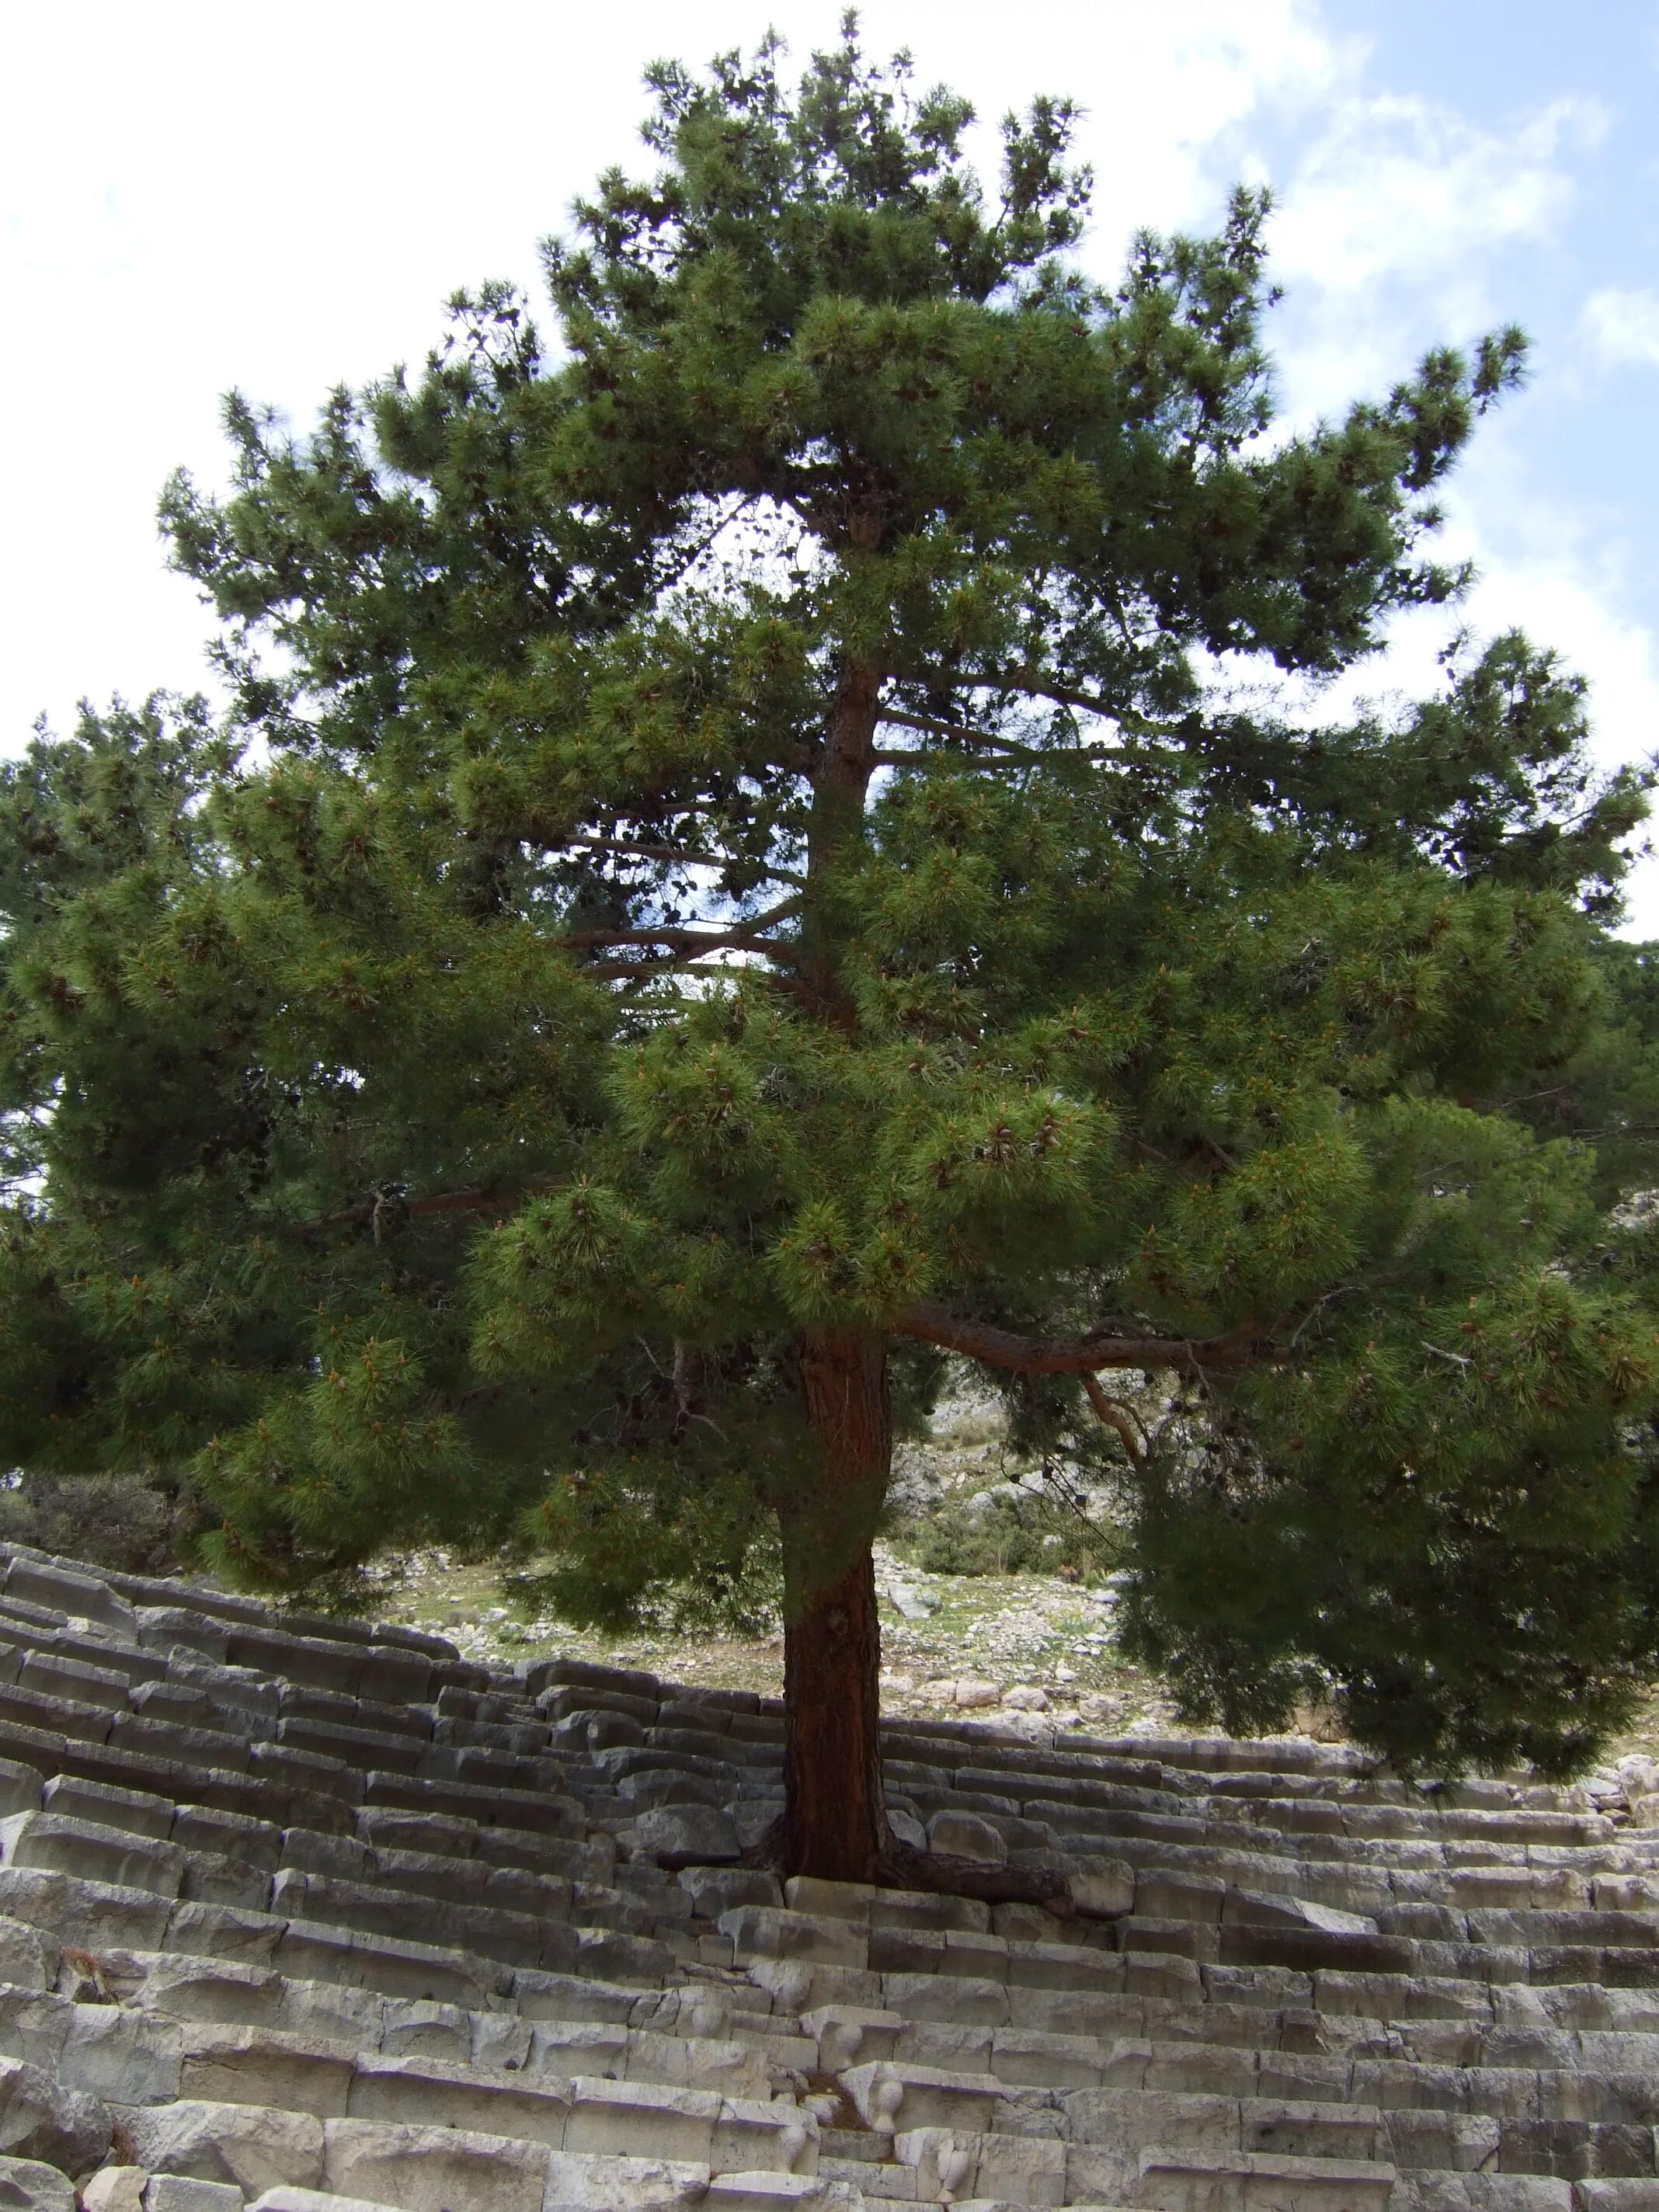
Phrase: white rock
[606,2183]
[286,2198]
[116,2189]
[252,2147]
[26,2185]
[965,1836]
[969,1691]
[1026,1697]
[41,2122]
[1105,1892]
[182,2192]
[685,1835]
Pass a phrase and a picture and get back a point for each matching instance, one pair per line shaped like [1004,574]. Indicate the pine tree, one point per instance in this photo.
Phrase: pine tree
[794,835]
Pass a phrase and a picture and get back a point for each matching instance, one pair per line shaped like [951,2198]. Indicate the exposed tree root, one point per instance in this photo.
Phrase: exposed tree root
[1029,1878]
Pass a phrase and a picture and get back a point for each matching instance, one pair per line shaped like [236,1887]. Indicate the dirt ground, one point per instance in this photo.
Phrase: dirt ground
[1023,1648]
[976,1636]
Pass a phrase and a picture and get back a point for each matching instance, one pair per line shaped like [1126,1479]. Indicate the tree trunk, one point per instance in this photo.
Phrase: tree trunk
[835,1814]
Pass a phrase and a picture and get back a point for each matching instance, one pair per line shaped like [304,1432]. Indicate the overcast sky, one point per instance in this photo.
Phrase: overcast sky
[193,197]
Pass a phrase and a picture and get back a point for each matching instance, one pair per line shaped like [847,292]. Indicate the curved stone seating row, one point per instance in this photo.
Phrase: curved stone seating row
[312,1914]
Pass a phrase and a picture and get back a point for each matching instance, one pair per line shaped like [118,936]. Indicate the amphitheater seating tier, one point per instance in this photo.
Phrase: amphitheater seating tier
[322,1917]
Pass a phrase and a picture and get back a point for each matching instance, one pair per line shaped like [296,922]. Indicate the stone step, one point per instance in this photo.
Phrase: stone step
[325,2066]
[583,2143]
[1173,2180]
[97,1915]
[206,1990]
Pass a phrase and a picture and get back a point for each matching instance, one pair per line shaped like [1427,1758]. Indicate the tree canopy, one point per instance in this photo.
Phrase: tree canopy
[798,831]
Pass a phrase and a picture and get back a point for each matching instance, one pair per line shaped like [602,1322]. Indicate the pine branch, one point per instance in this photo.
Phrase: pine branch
[1011,749]
[744,937]
[1059,695]
[687,557]
[372,1211]
[1110,1345]
[708,940]
[675,856]
[1115,1416]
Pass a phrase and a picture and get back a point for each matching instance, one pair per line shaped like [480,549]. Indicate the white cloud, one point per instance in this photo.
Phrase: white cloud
[1559,604]
[190,199]
[1400,188]
[1620,328]
[1393,224]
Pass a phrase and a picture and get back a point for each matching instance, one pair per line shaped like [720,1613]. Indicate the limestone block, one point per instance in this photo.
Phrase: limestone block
[211,1878]
[34,1712]
[433,2169]
[413,2027]
[779,2192]
[734,2068]
[1182,2181]
[630,1681]
[40,2119]
[175,1628]
[714,1890]
[970,1691]
[906,1908]
[965,1835]
[419,2091]
[339,1858]
[1116,2125]
[28,1957]
[752,2135]
[1298,2129]
[846,2034]
[250,2147]
[124,2056]
[45,1582]
[605,2182]
[91,1852]
[1629,2195]
[569,1997]
[140,1812]
[1508,2192]
[202,1930]
[26,2186]
[927,1997]
[264,2065]
[179,2192]
[638,2120]
[1022,2169]
[1027,2058]
[950,1953]
[1261,1909]
[885,2091]
[164,1700]
[1452,2142]
[579,2047]
[1105,1890]
[757,1932]
[115,2189]
[685,1835]
[285,2199]
[20,1787]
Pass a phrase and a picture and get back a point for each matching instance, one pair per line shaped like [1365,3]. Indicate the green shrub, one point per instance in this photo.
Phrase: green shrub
[108,1520]
[1038,1535]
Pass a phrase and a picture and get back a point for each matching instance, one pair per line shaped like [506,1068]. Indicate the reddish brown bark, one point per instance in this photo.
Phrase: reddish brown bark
[836,1819]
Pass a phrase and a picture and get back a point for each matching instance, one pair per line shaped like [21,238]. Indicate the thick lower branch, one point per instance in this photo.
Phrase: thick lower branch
[1101,1348]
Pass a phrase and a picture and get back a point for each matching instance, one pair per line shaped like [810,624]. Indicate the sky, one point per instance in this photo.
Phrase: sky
[198,197]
